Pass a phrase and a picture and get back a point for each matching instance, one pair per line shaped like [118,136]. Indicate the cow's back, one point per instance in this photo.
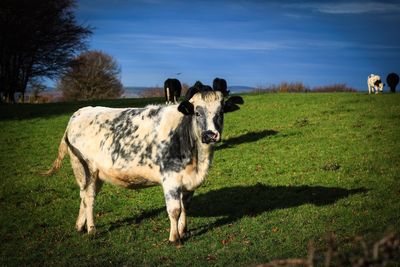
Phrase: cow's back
[123,145]
[372,78]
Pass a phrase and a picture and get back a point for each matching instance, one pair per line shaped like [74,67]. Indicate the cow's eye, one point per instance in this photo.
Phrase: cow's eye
[197,114]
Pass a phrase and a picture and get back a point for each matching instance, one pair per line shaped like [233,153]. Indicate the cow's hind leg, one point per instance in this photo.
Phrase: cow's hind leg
[81,176]
[91,191]
[89,185]
[81,220]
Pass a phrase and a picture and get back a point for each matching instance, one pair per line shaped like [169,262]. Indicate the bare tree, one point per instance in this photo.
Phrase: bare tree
[92,75]
[37,39]
[37,87]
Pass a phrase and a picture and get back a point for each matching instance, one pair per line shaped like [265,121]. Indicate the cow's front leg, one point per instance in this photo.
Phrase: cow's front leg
[173,199]
[182,224]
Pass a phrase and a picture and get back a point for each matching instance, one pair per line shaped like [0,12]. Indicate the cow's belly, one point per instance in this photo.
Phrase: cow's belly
[132,179]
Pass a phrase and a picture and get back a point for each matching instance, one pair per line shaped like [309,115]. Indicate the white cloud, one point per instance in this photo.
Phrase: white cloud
[194,42]
[209,43]
[350,7]
[148,42]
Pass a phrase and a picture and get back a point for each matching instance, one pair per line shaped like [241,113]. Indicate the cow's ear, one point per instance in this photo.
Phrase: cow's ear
[230,104]
[230,107]
[186,108]
[236,100]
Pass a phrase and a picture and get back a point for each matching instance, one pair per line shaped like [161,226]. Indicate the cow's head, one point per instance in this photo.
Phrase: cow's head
[207,110]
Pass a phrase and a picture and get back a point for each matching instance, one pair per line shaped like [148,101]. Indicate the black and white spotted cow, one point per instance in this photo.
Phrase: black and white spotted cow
[172,90]
[171,146]
[375,84]
[220,85]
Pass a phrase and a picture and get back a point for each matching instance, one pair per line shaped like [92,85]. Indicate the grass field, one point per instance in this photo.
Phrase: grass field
[291,168]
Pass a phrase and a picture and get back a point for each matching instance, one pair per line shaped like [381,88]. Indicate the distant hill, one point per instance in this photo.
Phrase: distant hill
[134,91]
[240,89]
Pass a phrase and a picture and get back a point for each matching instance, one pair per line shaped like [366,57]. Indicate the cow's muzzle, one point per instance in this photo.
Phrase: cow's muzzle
[208,137]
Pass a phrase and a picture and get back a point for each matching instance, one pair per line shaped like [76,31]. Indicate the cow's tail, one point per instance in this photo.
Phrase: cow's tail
[62,150]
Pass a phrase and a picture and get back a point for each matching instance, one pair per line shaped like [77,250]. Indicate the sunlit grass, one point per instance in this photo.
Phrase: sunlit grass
[291,168]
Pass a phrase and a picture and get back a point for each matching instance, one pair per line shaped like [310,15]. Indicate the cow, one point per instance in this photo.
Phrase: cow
[167,145]
[375,84]
[220,85]
[172,90]
[392,80]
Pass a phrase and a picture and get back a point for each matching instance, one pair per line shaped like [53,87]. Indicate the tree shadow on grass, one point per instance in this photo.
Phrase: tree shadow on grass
[48,110]
[234,203]
[246,138]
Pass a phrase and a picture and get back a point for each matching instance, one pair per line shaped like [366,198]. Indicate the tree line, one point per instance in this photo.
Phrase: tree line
[42,39]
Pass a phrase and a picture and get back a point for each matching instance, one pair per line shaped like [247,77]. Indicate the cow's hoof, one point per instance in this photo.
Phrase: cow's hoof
[80,228]
[176,243]
[92,231]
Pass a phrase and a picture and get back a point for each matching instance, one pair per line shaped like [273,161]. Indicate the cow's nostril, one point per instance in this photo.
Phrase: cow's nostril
[209,136]
[216,136]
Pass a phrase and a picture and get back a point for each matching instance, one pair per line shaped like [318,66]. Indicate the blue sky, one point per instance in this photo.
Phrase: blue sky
[249,42]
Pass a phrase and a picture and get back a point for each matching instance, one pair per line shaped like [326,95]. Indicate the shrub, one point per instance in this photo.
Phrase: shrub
[339,87]
[384,252]
[152,92]
[158,91]
[298,87]
[44,98]
[92,75]
[284,87]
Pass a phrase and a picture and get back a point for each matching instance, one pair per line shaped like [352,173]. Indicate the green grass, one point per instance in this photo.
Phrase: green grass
[291,168]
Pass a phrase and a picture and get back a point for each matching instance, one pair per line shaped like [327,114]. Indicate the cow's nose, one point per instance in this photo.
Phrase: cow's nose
[210,136]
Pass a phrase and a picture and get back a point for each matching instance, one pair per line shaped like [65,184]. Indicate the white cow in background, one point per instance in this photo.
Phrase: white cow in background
[375,84]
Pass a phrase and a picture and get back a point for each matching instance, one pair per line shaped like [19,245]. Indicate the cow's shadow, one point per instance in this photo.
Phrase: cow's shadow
[245,138]
[233,203]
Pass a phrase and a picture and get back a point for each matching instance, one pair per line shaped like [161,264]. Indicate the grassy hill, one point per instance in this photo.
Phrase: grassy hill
[291,168]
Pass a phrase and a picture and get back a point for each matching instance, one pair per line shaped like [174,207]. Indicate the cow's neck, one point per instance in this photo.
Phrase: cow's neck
[203,157]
